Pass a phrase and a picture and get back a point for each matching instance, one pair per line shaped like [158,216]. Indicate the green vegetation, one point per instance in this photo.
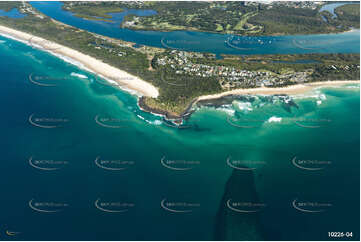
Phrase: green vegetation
[183,76]
[349,14]
[117,53]
[177,91]
[228,17]
[242,24]
[91,17]
[186,75]
[276,63]
[287,20]
[349,10]
[96,11]
[7,6]
[234,17]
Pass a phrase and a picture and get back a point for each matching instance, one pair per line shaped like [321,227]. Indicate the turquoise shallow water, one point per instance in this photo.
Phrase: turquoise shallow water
[108,171]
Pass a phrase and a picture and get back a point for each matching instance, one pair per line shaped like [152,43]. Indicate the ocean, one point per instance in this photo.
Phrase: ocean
[81,161]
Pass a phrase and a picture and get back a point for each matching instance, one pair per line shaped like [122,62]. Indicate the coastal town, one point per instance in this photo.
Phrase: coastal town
[28,9]
[291,4]
[229,77]
[170,79]
[180,120]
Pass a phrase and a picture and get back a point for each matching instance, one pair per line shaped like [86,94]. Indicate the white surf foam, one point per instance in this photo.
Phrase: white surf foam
[228,109]
[274,119]
[244,106]
[155,122]
[73,62]
[78,75]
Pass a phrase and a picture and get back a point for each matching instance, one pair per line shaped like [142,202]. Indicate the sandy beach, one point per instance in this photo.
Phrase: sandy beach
[133,83]
[289,90]
[122,78]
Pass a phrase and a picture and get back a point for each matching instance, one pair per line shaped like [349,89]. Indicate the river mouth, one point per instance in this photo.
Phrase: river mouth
[93,169]
[216,43]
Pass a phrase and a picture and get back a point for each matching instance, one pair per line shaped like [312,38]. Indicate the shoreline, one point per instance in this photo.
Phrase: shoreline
[288,90]
[124,80]
[164,113]
[248,35]
[134,85]
[213,98]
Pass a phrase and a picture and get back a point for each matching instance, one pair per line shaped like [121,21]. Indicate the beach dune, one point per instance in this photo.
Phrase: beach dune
[122,78]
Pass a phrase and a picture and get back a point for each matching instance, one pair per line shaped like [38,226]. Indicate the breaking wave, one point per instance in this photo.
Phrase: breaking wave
[78,75]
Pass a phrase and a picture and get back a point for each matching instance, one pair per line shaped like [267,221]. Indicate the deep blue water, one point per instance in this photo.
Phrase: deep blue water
[216,43]
[144,139]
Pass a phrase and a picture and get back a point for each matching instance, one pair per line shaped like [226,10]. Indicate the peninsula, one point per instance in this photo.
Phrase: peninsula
[170,80]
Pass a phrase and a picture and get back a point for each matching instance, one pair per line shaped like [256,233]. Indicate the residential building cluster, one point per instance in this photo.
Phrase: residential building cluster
[228,76]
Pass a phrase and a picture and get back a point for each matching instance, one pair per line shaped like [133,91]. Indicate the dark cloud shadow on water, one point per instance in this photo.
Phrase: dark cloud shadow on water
[244,223]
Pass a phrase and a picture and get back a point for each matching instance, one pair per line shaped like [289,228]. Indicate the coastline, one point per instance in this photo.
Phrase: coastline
[213,98]
[135,85]
[288,90]
[112,74]
[164,113]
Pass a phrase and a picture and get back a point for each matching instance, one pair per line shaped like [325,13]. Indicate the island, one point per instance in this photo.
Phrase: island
[233,17]
[168,80]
